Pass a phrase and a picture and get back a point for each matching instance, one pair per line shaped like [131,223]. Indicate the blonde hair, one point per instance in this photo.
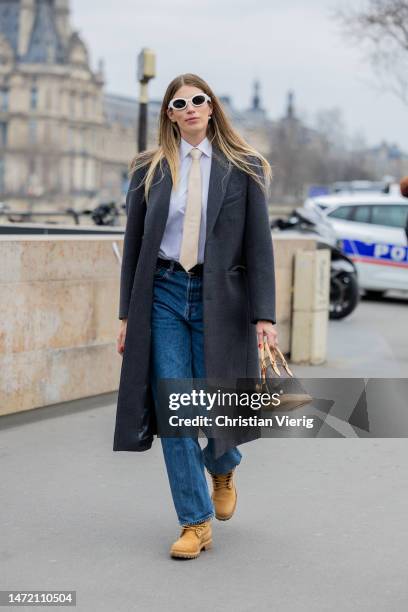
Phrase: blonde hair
[220,132]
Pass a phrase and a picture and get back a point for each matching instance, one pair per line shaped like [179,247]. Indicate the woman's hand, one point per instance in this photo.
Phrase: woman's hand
[121,337]
[266,328]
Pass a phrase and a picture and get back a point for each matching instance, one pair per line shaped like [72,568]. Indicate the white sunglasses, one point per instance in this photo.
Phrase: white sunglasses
[181,103]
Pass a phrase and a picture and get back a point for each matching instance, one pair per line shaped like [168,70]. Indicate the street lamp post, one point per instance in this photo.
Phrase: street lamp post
[146,70]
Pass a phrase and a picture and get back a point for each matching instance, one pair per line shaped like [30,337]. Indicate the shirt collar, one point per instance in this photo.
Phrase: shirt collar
[204,146]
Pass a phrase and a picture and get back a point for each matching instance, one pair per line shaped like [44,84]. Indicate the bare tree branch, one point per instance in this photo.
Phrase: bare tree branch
[380,27]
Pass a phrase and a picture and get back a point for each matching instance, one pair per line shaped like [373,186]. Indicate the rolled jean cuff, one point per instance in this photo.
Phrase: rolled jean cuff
[211,515]
[230,461]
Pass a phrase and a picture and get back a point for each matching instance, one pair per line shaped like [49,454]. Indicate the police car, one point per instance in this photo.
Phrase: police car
[372,230]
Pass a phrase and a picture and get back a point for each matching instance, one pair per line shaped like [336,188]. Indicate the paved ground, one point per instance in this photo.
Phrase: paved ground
[320,523]
[372,342]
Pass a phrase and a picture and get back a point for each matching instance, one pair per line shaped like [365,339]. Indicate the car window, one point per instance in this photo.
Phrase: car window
[389,215]
[361,214]
[342,212]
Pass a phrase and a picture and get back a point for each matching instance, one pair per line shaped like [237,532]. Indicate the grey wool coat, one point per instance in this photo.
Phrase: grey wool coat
[238,290]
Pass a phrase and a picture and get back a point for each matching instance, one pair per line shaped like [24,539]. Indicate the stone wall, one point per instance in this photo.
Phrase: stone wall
[59,302]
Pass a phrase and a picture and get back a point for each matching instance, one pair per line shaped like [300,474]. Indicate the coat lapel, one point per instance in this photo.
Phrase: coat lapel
[159,200]
[219,177]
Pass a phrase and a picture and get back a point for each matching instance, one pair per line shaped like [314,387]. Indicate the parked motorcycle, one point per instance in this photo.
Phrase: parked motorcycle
[104,214]
[344,289]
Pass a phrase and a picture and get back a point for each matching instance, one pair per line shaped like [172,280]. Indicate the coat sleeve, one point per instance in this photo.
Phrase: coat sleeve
[135,211]
[259,254]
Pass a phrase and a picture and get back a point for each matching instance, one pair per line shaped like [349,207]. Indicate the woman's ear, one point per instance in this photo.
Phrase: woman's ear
[169,112]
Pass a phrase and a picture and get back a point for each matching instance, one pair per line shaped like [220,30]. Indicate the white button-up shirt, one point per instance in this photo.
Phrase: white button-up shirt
[173,232]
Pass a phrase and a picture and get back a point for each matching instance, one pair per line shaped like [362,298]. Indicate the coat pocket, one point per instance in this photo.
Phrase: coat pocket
[237,269]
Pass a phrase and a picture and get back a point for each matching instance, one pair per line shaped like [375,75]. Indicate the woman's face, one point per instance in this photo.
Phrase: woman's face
[193,120]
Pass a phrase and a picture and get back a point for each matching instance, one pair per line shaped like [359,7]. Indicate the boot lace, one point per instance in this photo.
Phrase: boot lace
[222,480]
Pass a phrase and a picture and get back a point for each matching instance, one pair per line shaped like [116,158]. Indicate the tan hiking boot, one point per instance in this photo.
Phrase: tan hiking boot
[192,540]
[224,495]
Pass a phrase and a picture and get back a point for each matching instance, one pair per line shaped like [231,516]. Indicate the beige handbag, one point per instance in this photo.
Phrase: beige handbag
[276,377]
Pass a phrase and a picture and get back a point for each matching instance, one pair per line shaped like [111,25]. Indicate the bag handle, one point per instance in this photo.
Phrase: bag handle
[263,364]
[272,357]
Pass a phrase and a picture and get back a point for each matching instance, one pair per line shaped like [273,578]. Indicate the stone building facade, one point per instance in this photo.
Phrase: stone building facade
[64,141]
[52,122]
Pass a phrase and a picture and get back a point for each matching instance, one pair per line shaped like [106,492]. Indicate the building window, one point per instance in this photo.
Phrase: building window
[2,175]
[34,98]
[47,133]
[72,104]
[4,100]
[84,173]
[48,99]
[83,140]
[32,131]
[70,138]
[3,133]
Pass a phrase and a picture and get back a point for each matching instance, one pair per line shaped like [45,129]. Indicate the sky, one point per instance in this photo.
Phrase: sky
[286,45]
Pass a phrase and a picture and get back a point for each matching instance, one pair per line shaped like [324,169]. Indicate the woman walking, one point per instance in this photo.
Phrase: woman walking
[197,291]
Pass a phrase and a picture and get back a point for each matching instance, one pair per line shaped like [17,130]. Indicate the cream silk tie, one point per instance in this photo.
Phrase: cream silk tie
[192,215]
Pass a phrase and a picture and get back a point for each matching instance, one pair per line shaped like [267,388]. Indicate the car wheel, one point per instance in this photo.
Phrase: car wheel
[344,295]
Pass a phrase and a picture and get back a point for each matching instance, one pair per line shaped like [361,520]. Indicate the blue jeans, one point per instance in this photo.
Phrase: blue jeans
[178,352]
